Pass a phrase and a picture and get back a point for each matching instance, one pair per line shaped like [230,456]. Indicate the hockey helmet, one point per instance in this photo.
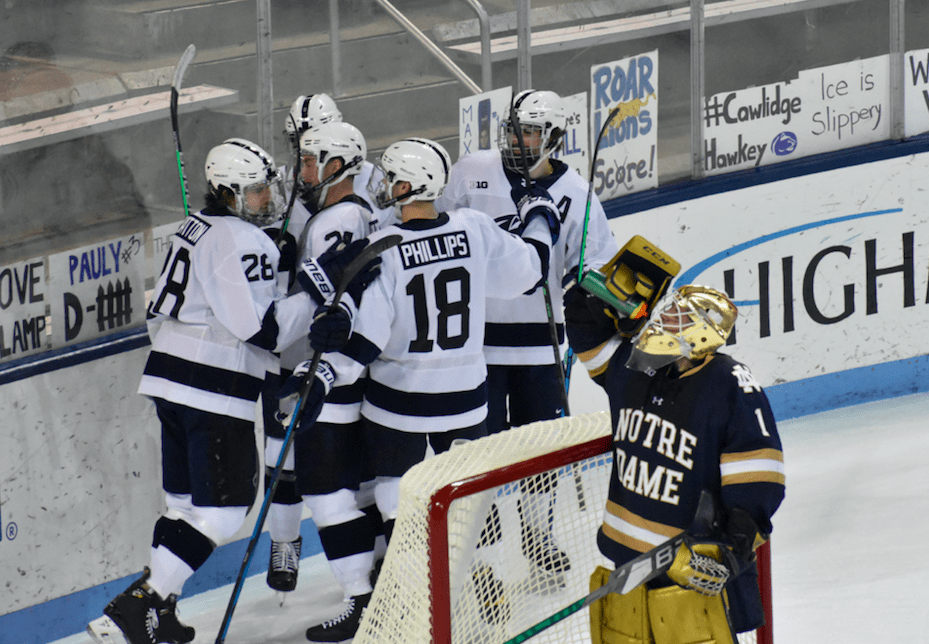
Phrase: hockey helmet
[423,163]
[243,177]
[542,121]
[690,321]
[328,141]
[309,111]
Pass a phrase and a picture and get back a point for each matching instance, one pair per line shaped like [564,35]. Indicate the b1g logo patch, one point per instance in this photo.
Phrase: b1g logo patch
[479,185]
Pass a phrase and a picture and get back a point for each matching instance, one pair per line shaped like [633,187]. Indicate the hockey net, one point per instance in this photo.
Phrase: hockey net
[460,568]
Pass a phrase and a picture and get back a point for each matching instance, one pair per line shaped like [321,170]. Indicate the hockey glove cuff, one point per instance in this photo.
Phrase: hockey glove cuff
[289,395]
[532,203]
[321,275]
[332,326]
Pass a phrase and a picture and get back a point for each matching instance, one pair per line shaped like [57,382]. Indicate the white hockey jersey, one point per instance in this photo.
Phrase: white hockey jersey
[216,316]
[420,324]
[517,330]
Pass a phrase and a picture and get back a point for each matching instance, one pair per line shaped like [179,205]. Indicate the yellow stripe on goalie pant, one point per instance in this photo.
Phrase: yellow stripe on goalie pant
[669,615]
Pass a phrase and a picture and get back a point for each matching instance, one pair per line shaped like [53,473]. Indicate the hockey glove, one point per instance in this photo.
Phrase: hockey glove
[288,248]
[536,202]
[310,408]
[587,322]
[320,276]
[703,565]
[332,326]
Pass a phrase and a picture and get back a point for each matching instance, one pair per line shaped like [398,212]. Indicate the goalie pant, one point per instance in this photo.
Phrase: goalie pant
[676,434]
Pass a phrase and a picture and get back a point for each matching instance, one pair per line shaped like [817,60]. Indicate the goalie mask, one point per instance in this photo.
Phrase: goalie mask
[326,142]
[542,119]
[690,322]
[244,178]
[310,111]
[424,164]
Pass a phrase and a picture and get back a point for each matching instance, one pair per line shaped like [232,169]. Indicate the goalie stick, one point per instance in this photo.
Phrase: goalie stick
[179,71]
[370,252]
[630,575]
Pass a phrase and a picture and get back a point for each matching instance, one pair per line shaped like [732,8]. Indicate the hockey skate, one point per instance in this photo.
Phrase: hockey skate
[551,563]
[343,627]
[284,565]
[139,615]
[492,601]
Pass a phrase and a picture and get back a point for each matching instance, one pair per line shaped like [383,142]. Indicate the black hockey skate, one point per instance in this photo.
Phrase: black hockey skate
[343,627]
[141,616]
[284,565]
[491,599]
[551,562]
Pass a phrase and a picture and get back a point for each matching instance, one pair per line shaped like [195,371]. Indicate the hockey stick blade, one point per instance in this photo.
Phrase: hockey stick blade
[629,576]
[370,251]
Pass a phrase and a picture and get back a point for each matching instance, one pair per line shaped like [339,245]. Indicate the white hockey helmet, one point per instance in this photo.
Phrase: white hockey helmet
[423,163]
[690,321]
[243,177]
[309,111]
[328,141]
[539,112]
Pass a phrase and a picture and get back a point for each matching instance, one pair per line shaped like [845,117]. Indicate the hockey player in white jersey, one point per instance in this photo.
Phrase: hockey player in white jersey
[315,109]
[324,465]
[217,316]
[420,326]
[523,378]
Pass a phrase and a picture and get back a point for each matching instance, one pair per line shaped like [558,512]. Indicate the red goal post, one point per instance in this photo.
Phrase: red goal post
[433,586]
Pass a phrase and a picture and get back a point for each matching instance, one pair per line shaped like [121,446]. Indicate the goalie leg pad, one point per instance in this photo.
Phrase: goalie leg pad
[680,616]
[618,619]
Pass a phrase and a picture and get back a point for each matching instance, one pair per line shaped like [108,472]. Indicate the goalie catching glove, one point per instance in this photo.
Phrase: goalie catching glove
[319,276]
[289,394]
[706,565]
[630,283]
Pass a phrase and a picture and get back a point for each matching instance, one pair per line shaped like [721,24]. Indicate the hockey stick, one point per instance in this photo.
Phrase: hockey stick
[549,309]
[370,252]
[179,71]
[293,191]
[630,575]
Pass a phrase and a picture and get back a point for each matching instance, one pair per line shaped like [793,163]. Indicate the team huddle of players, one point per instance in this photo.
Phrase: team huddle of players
[429,344]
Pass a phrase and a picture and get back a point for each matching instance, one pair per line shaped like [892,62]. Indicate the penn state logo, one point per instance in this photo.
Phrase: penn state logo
[784,143]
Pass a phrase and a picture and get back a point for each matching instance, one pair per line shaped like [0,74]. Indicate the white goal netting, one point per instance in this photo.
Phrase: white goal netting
[495,536]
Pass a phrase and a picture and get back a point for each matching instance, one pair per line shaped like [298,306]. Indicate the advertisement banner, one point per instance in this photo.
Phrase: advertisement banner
[574,150]
[626,160]
[916,92]
[824,109]
[480,119]
[97,290]
[23,303]
[830,271]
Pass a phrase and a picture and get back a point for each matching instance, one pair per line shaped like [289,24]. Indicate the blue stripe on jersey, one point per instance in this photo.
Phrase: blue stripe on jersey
[344,395]
[407,403]
[266,338]
[523,334]
[361,350]
[198,376]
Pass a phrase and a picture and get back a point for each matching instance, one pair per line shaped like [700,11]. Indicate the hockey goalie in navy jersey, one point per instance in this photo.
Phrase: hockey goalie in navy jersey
[686,418]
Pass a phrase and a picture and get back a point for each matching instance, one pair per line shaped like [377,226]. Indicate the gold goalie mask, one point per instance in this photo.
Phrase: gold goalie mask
[690,321]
